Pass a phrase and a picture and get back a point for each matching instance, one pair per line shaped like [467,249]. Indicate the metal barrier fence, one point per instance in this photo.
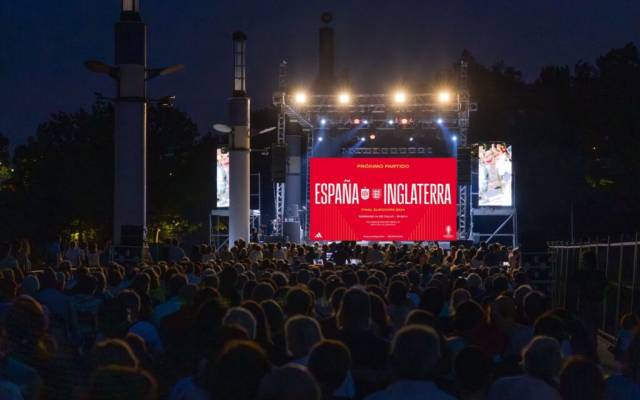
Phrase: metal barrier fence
[618,261]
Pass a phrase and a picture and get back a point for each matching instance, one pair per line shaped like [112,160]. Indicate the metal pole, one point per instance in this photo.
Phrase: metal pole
[130,136]
[239,140]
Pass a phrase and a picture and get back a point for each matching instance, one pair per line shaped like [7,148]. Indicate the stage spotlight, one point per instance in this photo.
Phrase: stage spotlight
[372,136]
[365,121]
[300,97]
[404,121]
[344,98]
[399,97]
[390,122]
[362,139]
[320,139]
[356,121]
[444,96]
[454,138]
[411,139]
[439,121]
[323,121]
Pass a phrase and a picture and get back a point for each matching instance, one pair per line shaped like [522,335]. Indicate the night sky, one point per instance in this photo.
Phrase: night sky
[380,42]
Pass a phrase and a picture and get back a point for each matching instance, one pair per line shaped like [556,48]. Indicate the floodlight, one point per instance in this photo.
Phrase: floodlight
[454,138]
[399,97]
[439,121]
[411,139]
[362,139]
[356,121]
[323,121]
[390,122]
[320,139]
[300,97]
[372,136]
[344,98]
[444,96]
[404,121]
[365,121]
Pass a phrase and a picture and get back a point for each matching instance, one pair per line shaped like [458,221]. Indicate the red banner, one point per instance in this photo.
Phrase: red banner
[383,199]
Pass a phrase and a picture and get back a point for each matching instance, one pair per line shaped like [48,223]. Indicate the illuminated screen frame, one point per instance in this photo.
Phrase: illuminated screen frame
[495,174]
[222,178]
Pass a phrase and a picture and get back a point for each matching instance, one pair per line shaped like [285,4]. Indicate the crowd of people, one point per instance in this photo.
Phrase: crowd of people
[292,321]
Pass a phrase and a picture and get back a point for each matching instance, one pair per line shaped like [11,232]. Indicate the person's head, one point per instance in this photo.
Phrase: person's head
[581,379]
[550,324]
[25,324]
[130,300]
[397,293]
[503,311]
[329,362]
[262,291]
[122,383]
[298,301]
[468,317]
[238,371]
[274,315]
[415,352]
[291,382]
[541,358]
[175,285]
[355,310]
[263,333]
[472,368]
[86,285]
[243,318]
[113,352]
[458,297]
[535,304]
[421,317]
[301,333]
[30,285]
[432,300]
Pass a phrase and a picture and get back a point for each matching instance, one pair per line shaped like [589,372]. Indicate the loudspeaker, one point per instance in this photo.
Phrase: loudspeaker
[131,235]
[464,166]
[278,163]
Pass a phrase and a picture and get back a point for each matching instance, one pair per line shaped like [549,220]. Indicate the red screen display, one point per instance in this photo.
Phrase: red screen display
[382,199]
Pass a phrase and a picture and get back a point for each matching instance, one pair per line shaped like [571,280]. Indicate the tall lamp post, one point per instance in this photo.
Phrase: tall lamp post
[130,136]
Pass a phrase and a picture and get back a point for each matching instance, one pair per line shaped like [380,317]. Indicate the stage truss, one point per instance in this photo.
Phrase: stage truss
[422,110]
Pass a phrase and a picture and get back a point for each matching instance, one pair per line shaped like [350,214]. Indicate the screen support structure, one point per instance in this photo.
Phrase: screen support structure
[423,105]
[464,99]
[489,223]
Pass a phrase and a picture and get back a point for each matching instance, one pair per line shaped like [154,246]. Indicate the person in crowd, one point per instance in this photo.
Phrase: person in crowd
[74,254]
[626,384]
[176,253]
[581,379]
[290,382]
[542,360]
[217,327]
[415,352]
[330,363]
[7,260]
[473,371]
[301,334]
[238,371]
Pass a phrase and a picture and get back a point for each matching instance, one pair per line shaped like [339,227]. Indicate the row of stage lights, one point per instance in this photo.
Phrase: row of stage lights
[344,98]
[390,122]
[372,136]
